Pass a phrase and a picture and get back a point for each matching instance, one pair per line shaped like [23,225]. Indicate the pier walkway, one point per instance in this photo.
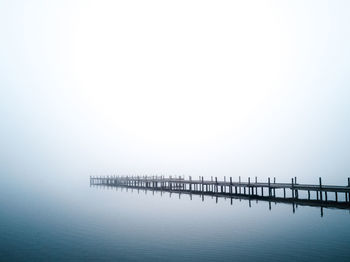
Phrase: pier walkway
[328,196]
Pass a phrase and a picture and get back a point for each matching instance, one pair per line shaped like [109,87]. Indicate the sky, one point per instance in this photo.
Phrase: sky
[213,88]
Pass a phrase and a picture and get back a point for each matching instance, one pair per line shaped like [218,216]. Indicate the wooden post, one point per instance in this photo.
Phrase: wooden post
[293,188]
[348,186]
[320,188]
[216,184]
[231,188]
[268,181]
[202,185]
[248,185]
[239,184]
[336,196]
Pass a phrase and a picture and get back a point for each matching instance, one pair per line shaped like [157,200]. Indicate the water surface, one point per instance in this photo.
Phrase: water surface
[85,223]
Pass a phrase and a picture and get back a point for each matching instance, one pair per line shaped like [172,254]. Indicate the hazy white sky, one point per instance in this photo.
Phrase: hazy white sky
[176,87]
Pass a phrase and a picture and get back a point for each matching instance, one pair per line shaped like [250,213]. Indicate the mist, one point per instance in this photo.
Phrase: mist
[186,88]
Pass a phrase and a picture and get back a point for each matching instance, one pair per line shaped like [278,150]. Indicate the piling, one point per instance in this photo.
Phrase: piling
[320,180]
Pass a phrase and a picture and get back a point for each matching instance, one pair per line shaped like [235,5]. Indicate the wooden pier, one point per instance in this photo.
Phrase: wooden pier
[315,195]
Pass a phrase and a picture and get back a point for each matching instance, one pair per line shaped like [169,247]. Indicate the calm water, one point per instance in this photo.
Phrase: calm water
[76,222]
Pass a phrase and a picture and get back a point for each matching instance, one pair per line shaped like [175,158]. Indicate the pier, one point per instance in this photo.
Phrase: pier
[320,195]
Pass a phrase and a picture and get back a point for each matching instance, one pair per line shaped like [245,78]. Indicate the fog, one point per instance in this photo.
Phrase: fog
[235,88]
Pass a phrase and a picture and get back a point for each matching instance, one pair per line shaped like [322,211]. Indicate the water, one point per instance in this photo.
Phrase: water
[76,222]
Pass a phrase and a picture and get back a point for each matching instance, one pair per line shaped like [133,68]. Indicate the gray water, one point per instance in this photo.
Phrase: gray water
[83,223]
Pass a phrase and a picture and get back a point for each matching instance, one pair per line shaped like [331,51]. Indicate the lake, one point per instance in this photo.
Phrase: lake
[76,222]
